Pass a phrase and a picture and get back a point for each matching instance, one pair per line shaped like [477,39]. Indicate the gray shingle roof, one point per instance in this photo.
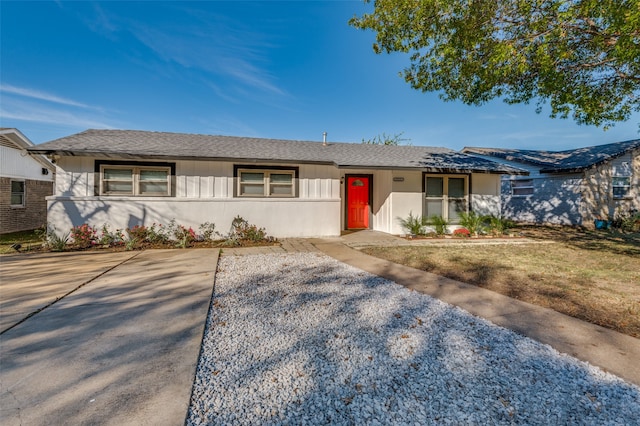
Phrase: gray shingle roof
[162,145]
[573,160]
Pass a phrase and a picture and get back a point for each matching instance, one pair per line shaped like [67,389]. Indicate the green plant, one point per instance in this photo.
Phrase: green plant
[242,230]
[473,222]
[84,236]
[414,225]
[498,226]
[207,231]
[184,237]
[627,222]
[158,234]
[109,238]
[138,232]
[50,238]
[21,241]
[131,244]
[439,224]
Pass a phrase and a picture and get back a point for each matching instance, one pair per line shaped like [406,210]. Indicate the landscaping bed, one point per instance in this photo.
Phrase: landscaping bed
[590,275]
[139,237]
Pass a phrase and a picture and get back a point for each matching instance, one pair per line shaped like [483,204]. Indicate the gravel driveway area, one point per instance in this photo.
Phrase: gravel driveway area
[304,339]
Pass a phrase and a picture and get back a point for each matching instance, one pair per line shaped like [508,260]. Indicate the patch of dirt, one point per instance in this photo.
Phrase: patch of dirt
[39,248]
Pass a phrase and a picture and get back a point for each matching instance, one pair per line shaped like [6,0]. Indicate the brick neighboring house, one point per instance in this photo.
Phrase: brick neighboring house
[25,182]
[572,187]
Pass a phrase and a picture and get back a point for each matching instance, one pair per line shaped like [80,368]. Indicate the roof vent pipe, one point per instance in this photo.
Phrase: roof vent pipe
[324,138]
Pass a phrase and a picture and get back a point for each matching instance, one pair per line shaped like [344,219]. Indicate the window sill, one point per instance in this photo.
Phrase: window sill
[179,199]
[262,197]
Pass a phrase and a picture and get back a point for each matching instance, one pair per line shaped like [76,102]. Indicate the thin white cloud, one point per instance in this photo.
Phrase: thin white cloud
[227,57]
[216,44]
[43,96]
[32,111]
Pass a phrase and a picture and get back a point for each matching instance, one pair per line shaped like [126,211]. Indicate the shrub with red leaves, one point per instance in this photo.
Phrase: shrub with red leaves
[462,233]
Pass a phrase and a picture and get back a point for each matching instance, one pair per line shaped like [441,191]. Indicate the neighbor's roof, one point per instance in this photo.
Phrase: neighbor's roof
[160,145]
[13,138]
[569,161]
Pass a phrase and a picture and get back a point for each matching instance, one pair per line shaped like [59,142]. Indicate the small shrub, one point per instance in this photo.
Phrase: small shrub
[413,225]
[207,231]
[473,222]
[50,238]
[242,230]
[109,238]
[498,226]
[84,236]
[627,222]
[138,232]
[158,234]
[462,233]
[131,244]
[183,236]
[439,224]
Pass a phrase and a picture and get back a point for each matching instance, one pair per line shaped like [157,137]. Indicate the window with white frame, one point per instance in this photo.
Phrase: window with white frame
[257,182]
[621,186]
[17,193]
[522,187]
[446,196]
[135,180]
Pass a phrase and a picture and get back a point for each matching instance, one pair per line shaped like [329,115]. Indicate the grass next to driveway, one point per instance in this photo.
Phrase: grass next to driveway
[594,276]
[27,239]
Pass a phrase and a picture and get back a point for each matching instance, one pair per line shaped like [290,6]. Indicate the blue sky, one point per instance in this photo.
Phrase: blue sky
[289,70]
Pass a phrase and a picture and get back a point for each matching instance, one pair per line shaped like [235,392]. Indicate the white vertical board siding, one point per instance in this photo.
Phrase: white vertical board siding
[406,198]
[202,179]
[208,179]
[74,177]
[16,163]
[318,182]
[199,179]
[485,194]
[381,207]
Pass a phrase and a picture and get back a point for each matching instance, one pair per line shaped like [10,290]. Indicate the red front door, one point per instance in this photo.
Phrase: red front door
[358,202]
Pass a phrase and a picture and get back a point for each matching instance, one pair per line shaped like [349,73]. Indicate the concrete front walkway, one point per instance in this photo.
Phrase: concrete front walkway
[612,351]
[121,349]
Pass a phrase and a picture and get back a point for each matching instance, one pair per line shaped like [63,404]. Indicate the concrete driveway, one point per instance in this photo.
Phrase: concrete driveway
[120,348]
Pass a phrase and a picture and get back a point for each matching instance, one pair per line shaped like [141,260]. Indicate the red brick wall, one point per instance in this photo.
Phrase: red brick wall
[32,215]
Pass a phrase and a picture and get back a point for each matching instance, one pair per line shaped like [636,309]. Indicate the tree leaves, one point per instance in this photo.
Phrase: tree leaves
[582,57]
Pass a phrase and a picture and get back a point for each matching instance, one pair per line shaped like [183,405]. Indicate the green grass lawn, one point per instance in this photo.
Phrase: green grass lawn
[29,240]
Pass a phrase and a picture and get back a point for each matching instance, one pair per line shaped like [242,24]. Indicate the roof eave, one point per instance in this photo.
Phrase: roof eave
[569,170]
[133,156]
[478,171]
